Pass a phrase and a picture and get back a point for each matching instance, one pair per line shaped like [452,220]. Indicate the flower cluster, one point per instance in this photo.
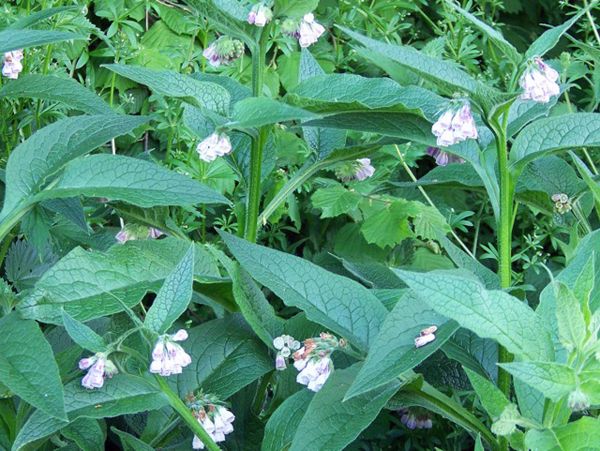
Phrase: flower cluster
[578,401]
[313,360]
[307,30]
[216,145]
[443,158]
[223,51]
[12,64]
[360,170]
[415,420]
[285,345]
[214,418]
[137,232]
[167,356]
[260,15]
[98,367]
[427,335]
[454,126]
[562,203]
[539,82]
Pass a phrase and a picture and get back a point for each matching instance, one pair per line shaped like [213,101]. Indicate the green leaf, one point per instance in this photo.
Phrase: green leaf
[465,261]
[550,38]
[173,297]
[294,8]
[82,334]
[440,72]
[570,321]
[554,134]
[28,368]
[554,380]
[587,177]
[131,180]
[490,314]
[259,111]
[340,304]
[47,151]
[91,284]
[430,224]
[389,225]
[64,90]
[331,424]
[494,35]
[21,39]
[492,399]
[335,200]
[130,442]
[173,84]
[282,425]
[33,18]
[580,435]
[393,351]
[123,394]
[226,357]
[86,433]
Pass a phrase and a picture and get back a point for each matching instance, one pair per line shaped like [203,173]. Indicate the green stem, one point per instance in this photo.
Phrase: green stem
[256,151]
[186,415]
[8,221]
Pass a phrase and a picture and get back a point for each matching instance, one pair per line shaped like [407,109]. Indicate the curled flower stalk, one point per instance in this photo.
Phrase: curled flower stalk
[313,360]
[223,51]
[98,367]
[212,415]
[285,345]
[360,169]
[169,357]
[137,232]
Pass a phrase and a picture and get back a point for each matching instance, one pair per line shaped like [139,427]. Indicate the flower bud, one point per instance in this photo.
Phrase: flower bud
[578,400]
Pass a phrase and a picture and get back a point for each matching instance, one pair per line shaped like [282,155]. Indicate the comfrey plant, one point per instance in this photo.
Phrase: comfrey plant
[202,338]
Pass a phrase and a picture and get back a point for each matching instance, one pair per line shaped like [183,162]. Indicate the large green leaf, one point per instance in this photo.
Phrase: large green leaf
[226,357]
[440,72]
[64,90]
[331,424]
[123,394]
[282,425]
[490,314]
[32,163]
[91,284]
[393,351]
[173,84]
[21,39]
[86,433]
[259,111]
[28,368]
[554,134]
[131,180]
[337,303]
[554,380]
[173,297]
[580,435]
[491,397]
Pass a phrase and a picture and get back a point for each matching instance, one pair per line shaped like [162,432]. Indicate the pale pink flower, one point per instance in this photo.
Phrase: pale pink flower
[280,363]
[12,64]
[210,53]
[98,368]
[260,15]
[539,82]
[309,30]
[454,126]
[217,428]
[154,233]
[313,372]
[364,169]
[167,356]
[123,236]
[285,345]
[443,158]
[216,145]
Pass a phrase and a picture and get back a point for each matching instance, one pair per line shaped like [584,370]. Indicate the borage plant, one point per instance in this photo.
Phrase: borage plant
[297,356]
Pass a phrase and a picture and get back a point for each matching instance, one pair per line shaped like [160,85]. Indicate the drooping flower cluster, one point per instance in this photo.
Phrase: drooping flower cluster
[12,64]
[307,30]
[137,232]
[414,419]
[98,367]
[212,415]
[313,360]
[223,51]
[426,336]
[260,15]
[360,170]
[578,401]
[167,356]
[562,203]
[443,158]
[539,82]
[216,145]
[454,126]
[364,169]
[285,345]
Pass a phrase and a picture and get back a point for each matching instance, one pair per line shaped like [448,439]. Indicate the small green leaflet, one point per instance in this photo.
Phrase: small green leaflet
[82,334]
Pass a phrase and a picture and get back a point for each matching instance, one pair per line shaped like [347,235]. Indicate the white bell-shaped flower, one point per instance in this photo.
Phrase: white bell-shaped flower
[364,169]
[539,82]
[167,356]
[309,30]
[216,145]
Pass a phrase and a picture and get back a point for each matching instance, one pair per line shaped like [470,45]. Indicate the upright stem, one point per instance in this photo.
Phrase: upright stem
[505,224]
[256,150]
